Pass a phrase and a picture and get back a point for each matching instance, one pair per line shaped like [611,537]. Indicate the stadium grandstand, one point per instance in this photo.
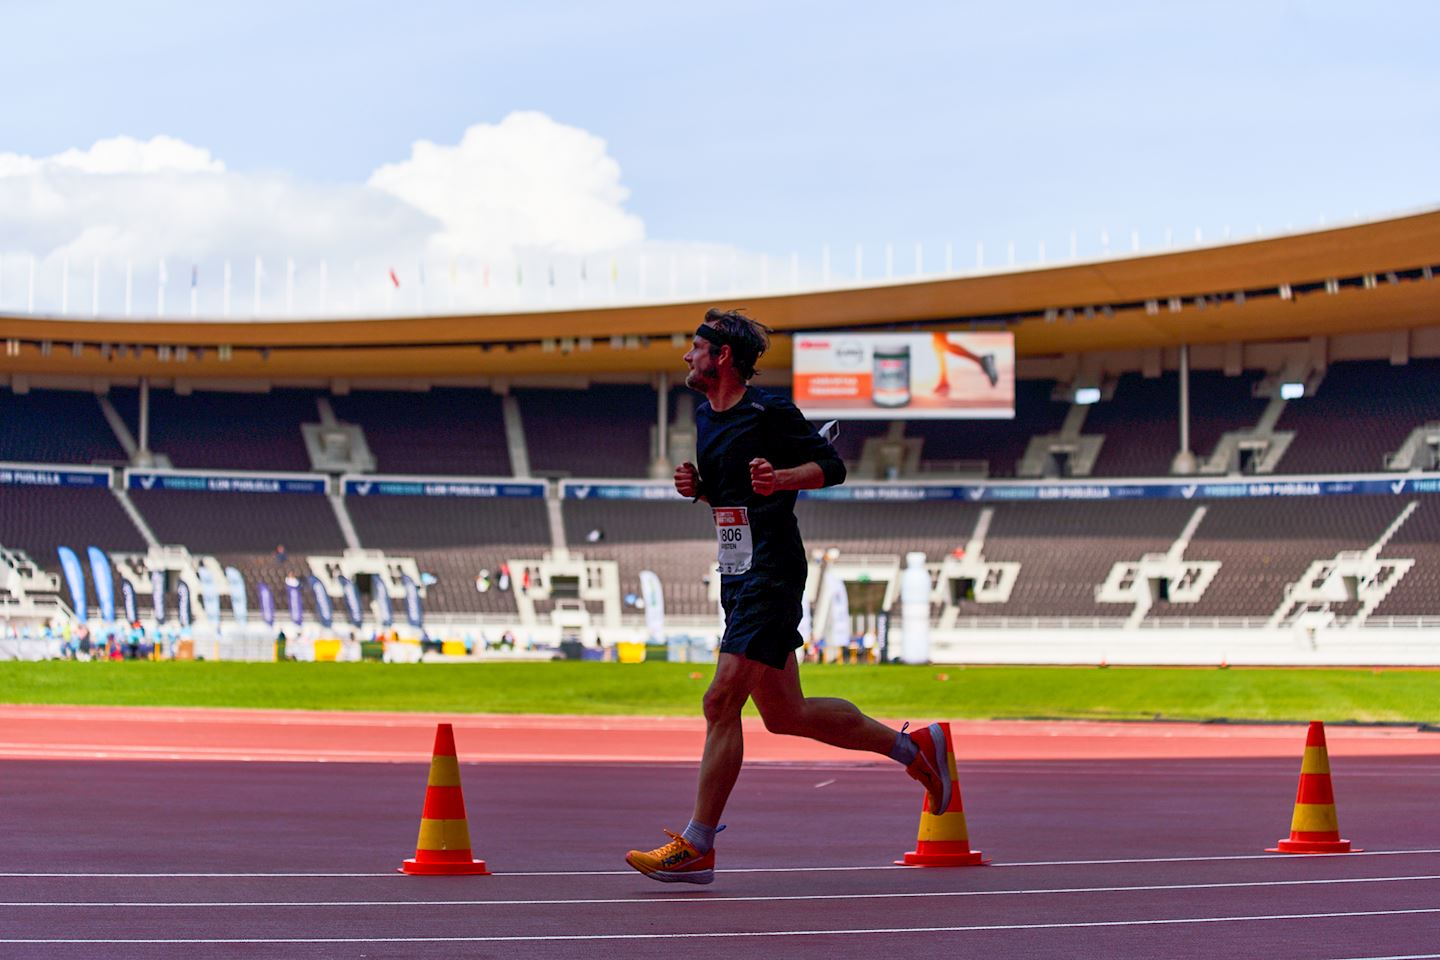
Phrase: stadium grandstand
[1224,454]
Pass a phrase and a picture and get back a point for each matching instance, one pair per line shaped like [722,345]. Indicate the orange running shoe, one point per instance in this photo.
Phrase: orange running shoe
[676,862]
[931,765]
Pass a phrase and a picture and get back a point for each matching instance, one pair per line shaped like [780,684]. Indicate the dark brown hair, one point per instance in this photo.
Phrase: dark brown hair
[747,337]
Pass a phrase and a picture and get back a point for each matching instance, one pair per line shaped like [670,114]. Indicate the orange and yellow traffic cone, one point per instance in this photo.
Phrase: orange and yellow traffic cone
[1313,828]
[444,845]
[943,839]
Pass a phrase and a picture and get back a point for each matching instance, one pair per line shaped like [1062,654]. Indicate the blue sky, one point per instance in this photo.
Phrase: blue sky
[778,127]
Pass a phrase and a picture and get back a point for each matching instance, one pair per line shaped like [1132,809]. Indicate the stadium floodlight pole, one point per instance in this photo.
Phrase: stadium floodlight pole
[662,426]
[142,456]
[1185,459]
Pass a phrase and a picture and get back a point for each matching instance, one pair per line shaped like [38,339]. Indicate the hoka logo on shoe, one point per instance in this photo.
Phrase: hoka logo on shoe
[675,859]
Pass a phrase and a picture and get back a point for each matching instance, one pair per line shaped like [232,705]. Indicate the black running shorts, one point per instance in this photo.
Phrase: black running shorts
[762,619]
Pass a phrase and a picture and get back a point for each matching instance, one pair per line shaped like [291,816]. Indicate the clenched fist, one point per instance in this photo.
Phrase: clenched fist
[687,480]
[762,477]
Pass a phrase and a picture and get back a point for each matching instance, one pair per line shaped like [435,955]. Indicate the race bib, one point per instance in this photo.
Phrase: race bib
[735,548]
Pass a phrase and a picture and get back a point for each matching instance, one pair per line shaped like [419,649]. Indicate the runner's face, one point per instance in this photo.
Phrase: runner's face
[704,371]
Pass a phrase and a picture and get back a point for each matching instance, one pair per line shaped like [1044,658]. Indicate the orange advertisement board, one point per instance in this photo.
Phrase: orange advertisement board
[905,376]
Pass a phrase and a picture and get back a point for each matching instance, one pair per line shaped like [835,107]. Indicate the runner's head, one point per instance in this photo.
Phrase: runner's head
[728,340]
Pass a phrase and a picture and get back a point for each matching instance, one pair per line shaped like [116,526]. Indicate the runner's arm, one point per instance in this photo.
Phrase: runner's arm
[800,451]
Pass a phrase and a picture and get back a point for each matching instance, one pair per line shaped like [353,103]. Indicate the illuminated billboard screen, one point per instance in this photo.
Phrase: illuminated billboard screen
[905,376]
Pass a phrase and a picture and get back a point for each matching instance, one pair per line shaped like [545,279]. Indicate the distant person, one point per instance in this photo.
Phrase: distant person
[755,450]
[280,554]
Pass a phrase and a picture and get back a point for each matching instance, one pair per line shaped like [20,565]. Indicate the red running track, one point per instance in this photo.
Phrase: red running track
[1109,840]
[175,733]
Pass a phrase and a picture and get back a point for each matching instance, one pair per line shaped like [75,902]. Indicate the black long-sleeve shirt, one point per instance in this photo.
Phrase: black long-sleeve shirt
[770,427]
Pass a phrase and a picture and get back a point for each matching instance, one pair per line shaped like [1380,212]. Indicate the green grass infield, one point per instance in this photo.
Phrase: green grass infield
[673,689]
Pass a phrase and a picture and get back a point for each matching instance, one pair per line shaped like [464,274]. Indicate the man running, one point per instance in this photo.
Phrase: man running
[755,450]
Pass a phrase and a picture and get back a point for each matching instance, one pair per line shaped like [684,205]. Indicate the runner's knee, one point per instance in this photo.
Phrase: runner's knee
[721,704]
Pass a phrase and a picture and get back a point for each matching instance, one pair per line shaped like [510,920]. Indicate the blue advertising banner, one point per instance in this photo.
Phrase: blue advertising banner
[351,594]
[440,487]
[75,580]
[238,604]
[30,475]
[182,603]
[382,596]
[323,608]
[579,490]
[1218,488]
[413,613]
[225,482]
[132,607]
[267,604]
[297,608]
[104,583]
[157,594]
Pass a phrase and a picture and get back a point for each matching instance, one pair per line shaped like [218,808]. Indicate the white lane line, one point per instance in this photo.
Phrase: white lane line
[824,783]
[1277,857]
[643,901]
[732,934]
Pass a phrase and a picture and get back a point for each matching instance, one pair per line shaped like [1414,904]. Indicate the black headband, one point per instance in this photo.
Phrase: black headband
[717,337]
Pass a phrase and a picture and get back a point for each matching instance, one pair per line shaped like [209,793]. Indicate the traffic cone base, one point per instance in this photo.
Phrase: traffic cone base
[443,848]
[1314,827]
[943,839]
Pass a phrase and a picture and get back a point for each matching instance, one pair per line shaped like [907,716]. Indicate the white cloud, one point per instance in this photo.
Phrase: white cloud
[118,155]
[526,182]
[523,191]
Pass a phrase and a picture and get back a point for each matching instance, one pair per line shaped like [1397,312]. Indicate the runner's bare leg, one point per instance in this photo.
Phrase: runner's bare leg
[735,679]
[785,709]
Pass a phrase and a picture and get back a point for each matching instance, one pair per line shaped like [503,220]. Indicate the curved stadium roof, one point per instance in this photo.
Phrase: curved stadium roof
[1364,277]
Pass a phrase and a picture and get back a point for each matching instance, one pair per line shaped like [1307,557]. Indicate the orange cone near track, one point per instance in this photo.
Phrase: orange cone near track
[444,845]
[944,840]
[1313,828]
